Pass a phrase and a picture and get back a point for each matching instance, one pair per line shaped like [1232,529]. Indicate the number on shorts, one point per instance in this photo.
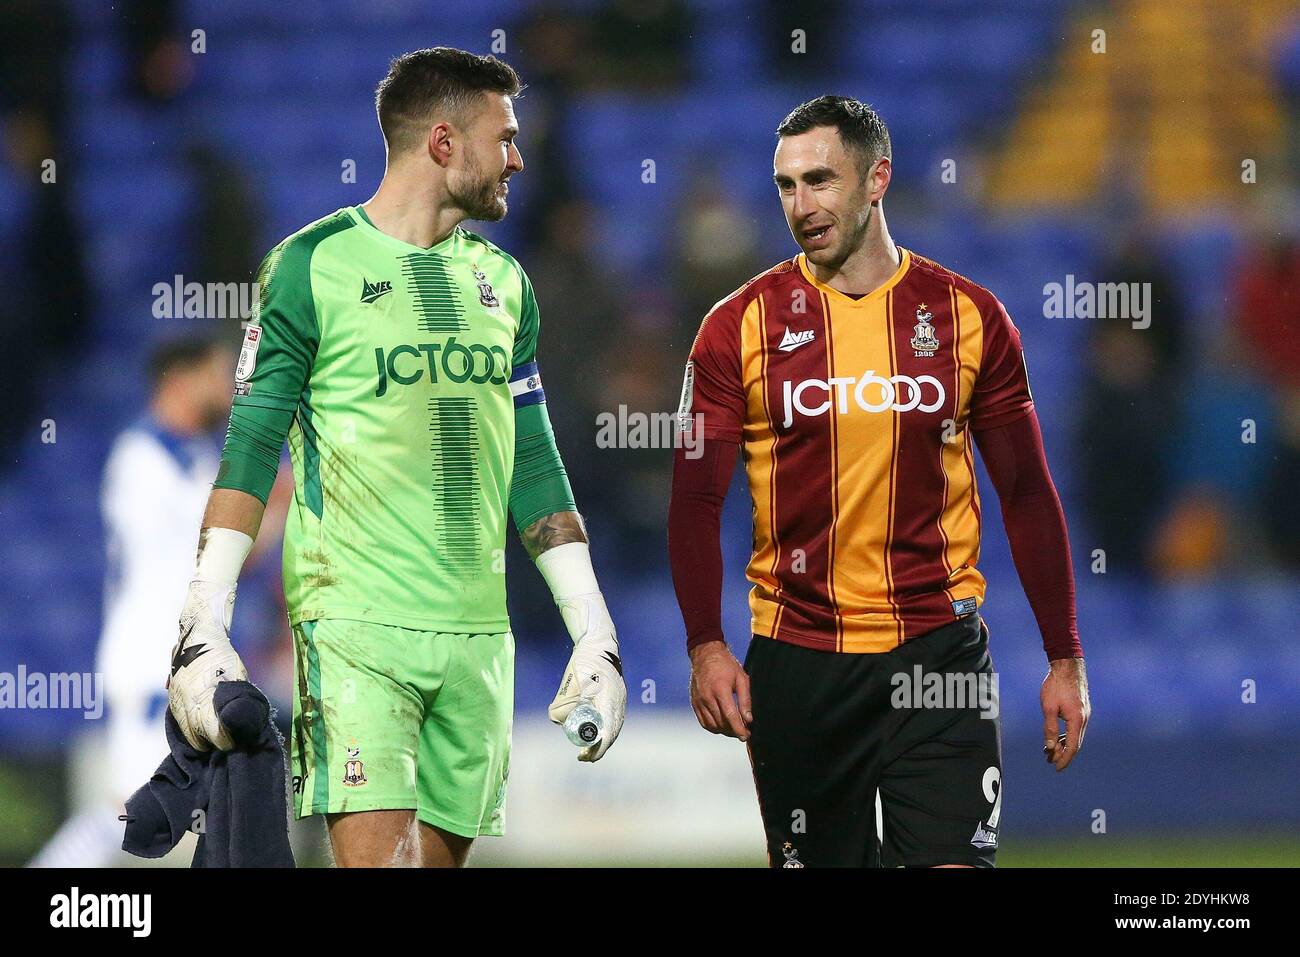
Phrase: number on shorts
[992,781]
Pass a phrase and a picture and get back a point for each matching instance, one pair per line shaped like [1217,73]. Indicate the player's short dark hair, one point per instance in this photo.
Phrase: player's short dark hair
[860,127]
[179,354]
[440,79]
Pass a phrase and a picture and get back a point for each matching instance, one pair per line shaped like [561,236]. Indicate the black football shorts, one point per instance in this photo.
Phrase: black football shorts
[918,724]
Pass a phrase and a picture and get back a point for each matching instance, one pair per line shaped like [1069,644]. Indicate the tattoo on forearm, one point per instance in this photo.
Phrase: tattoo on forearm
[558,528]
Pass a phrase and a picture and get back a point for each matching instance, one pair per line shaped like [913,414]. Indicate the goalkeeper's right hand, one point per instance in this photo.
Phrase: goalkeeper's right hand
[203,655]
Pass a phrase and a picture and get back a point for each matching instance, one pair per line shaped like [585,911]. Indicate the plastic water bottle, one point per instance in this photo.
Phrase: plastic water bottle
[583,726]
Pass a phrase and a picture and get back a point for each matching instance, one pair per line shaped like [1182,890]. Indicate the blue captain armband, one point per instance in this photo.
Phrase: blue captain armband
[526,385]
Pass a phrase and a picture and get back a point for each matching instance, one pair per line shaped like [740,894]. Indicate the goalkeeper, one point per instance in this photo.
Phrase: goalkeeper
[396,351]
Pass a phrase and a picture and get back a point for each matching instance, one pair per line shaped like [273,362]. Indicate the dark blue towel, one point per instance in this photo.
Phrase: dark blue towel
[235,800]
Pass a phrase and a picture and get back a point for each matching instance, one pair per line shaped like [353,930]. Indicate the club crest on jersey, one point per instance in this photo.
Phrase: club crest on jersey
[354,772]
[791,856]
[485,294]
[924,342]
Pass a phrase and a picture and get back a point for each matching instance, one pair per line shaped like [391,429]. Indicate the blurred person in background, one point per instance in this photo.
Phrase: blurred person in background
[589,325]
[1229,449]
[1219,449]
[226,217]
[1266,305]
[159,65]
[1287,73]
[43,272]
[637,386]
[638,44]
[1124,430]
[1265,291]
[156,482]
[1282,525]
[1131,407]
[592,330]
[35,37]
[717,246]
[551,47]
[42,259]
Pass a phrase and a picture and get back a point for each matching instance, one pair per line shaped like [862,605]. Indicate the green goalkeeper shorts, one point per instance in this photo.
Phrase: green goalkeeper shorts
[393,718]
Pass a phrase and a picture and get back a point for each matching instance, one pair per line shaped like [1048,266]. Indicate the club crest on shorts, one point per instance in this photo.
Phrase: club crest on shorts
[485,294]
[354,772]
[924,341]
[791,856]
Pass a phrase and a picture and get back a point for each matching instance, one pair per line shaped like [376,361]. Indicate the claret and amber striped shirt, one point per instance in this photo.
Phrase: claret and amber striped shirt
[854,416]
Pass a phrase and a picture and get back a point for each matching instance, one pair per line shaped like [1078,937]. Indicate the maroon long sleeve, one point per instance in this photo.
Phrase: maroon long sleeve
[694,549]
[1035,523]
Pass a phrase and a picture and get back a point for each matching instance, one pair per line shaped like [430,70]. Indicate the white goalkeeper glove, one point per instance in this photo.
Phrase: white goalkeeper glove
[203,655]
[595,671]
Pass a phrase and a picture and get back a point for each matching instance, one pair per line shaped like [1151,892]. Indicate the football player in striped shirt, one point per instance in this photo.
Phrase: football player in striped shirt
[854,379]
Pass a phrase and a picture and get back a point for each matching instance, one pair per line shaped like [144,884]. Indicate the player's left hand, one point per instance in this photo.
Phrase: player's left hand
[595,671]
[1064,696]
[202,659]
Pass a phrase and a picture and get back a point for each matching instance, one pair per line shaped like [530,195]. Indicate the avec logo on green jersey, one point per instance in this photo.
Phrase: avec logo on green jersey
[452,360]
[370,291]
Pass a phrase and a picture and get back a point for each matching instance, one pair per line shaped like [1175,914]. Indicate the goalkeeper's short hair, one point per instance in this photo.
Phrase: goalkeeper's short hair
[440,80]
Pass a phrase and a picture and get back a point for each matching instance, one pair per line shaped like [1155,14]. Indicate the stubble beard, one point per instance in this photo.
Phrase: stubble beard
[850,242]
[480,200]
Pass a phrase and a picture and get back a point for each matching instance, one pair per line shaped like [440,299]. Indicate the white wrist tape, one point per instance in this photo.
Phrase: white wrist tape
[222,556]
[567,570]
[568,573]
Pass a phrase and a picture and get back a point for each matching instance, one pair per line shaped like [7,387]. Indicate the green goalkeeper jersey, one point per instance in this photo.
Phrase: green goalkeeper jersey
[403,370]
